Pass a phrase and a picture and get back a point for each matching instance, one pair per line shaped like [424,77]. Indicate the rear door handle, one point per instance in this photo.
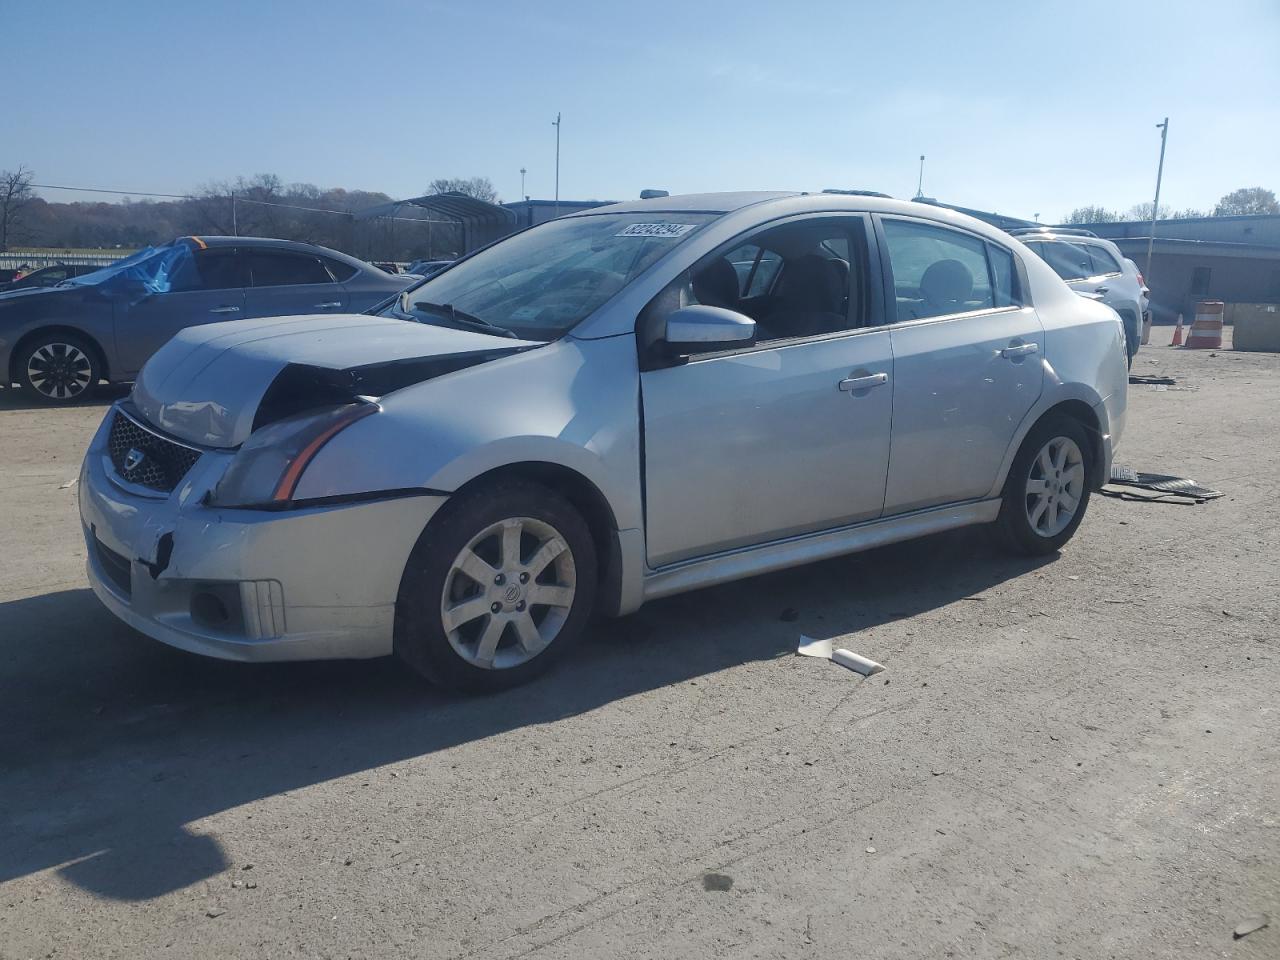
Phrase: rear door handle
[225,308]
[1101,289]
[329,303]
[1013,351]
[849,384]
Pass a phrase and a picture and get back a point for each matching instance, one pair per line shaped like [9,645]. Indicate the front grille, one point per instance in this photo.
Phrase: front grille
[146,458]
[114,566]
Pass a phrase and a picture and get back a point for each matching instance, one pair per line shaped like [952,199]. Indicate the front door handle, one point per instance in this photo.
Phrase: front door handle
[849,384]
[225,308]
[1016,350]
[328,303]
[1101,289]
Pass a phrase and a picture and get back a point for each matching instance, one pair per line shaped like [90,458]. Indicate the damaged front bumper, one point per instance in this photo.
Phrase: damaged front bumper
[316,582]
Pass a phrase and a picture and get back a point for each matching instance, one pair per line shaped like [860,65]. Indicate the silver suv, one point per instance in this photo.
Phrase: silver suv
[1093,266]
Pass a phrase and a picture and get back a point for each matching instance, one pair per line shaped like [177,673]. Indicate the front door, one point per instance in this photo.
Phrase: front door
[206,287]
[785,437]
[968,363]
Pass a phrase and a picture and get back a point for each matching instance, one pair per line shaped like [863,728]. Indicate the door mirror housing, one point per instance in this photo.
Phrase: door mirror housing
[703,329]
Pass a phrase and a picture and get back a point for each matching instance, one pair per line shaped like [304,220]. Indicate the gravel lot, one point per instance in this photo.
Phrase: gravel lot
[1072,757]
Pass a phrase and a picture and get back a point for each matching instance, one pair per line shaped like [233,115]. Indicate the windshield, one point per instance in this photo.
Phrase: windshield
[153,267]
[541,283]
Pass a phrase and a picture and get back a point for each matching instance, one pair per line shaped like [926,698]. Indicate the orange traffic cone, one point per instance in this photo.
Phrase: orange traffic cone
[1177,333]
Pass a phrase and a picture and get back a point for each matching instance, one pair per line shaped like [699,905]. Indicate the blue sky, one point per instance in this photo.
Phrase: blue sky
[1021,107]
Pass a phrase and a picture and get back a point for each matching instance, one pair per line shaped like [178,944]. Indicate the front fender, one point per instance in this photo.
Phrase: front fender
[572,403]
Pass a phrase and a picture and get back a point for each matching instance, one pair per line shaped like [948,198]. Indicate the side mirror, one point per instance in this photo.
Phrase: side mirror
[703,329]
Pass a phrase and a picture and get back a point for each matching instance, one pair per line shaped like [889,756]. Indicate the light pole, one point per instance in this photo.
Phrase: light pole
[522,173]
[556,124]
[1155,207]
[920,182]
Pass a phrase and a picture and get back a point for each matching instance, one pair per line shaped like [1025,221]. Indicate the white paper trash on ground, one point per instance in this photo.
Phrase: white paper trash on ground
[810,647]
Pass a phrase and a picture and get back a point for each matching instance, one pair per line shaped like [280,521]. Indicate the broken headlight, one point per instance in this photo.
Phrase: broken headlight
[267,468]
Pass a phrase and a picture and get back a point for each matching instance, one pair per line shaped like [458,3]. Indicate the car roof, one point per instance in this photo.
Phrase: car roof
[269,243]
[691,203]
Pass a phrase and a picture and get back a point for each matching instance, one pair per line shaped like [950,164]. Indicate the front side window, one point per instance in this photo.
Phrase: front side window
[814,285]
[937,271]
[217,268]
[271,268]
[542,282]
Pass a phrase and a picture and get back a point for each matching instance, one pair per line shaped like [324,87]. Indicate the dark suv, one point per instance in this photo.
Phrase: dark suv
[59,342]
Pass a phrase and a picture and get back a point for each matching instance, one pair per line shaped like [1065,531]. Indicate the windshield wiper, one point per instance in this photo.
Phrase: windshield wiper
[463,320]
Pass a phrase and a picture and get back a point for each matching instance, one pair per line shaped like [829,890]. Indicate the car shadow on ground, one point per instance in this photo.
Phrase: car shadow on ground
[12,398]
[111,745]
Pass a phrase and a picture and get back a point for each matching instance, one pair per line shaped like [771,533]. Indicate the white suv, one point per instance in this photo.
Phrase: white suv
[1093,266]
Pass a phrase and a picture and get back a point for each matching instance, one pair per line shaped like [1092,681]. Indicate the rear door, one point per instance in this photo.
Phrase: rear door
[207,287]
[967,362]
[286,282]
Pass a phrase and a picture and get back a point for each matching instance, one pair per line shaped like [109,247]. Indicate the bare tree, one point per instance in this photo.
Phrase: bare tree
[481,188]
[1245,201]
[15,195]
[1091,215]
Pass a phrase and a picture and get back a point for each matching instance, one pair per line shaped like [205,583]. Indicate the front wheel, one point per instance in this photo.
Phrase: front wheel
[499,586]
[1047,491]
[58,368]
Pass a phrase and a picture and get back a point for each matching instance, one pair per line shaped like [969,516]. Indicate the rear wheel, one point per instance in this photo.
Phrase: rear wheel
[1047,491]
[58,368]
[498,587]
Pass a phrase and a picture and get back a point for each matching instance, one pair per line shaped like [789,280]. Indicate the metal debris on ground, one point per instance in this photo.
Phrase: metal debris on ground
[1250,925]
[1153,379]
[1163,488]
[845,658]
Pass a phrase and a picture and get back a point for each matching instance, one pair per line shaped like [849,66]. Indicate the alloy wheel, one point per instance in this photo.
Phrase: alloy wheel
[1055,486]
[508,593]
[60,371]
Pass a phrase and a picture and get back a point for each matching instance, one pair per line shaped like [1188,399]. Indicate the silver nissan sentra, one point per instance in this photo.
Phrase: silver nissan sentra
[618,405]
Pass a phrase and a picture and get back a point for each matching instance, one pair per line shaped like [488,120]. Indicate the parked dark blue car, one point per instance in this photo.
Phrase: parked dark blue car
[57,343]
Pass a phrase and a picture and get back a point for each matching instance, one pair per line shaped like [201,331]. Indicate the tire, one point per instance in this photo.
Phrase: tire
[58,368]
[487,645]
[1022,526]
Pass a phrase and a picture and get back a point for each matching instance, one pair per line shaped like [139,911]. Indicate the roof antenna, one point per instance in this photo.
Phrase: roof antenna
[920,182]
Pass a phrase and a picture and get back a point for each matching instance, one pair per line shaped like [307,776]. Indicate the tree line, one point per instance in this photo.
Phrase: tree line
[1242,202]
[263,206]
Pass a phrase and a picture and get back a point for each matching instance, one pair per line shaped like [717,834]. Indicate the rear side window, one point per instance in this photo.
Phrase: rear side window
[341,271]
[270,268]
[1103,261]
[939,271]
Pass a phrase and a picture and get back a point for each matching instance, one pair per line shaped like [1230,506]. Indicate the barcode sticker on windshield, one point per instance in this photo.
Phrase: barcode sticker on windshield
[655,230]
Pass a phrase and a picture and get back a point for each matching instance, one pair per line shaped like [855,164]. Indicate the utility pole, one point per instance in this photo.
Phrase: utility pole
[920,182]
[1155,207]
[522,193]
[556,124]
[235,229]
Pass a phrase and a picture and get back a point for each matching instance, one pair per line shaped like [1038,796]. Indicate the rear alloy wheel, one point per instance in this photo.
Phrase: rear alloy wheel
[58,369]
[1047,491]
[499,586]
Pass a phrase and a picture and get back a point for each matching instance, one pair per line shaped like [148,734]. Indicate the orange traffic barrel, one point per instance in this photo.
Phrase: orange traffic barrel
[1206,332]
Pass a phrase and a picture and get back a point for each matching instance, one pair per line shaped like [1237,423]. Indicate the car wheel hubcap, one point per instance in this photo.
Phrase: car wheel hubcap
[508,593]
[59,370]
[1055,486]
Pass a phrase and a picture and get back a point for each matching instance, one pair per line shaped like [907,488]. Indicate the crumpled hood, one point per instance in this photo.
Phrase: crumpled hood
[206,384]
